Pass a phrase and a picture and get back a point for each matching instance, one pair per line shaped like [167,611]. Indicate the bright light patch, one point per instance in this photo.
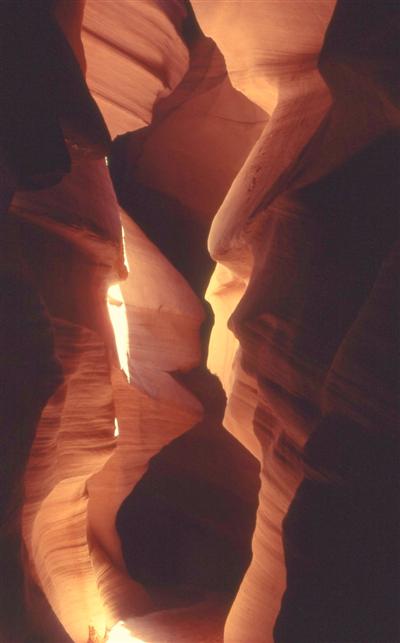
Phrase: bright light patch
[116,428]
[120,634]
[126,262]
[117,313]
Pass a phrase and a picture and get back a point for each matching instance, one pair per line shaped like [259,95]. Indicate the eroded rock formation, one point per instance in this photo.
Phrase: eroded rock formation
[270,130]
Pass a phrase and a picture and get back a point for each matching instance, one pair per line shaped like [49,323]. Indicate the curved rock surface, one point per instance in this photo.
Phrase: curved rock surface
[300,239]
[272,129]
[134,56]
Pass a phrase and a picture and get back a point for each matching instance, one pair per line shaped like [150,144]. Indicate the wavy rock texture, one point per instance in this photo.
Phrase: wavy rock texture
[134,57]
[48,243]
[75,228]
[281,120]
[151,408]
[76,476]
[297,257]
[174,208]
[78,234]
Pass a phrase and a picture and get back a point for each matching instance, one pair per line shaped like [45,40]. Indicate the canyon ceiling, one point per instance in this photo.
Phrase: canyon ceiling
[199,321]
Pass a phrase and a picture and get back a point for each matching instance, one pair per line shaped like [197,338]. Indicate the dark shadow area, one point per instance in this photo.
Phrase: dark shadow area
[188,524]
[46,109]
[356,212]
[168,223]
[341,539]
[29,375]
[341,534]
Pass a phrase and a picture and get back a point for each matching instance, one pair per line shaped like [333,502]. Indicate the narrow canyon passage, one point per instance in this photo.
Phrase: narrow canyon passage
[199,321]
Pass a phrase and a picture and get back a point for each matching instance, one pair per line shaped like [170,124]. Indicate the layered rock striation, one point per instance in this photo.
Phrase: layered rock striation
[302,241]
[128,506]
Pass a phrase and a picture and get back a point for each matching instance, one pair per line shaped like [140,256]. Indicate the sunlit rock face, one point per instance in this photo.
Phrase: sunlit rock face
[63,250]
[301,240]
[80,239]
[78,471]
[172,176]
[178,544]
[134,56]
[129,513]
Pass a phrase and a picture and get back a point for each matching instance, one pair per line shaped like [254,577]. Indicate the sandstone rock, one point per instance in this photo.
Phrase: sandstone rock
[269,128]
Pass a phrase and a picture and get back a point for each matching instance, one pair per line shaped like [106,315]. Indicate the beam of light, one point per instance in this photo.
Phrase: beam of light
[120,634]
[116,428]
[125,254]
[117,313]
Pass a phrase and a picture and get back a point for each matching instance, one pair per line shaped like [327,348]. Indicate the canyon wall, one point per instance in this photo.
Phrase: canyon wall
[135,504]
[304,241]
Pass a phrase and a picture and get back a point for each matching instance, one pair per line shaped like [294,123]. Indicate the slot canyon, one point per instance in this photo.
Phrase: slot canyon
[199,321]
